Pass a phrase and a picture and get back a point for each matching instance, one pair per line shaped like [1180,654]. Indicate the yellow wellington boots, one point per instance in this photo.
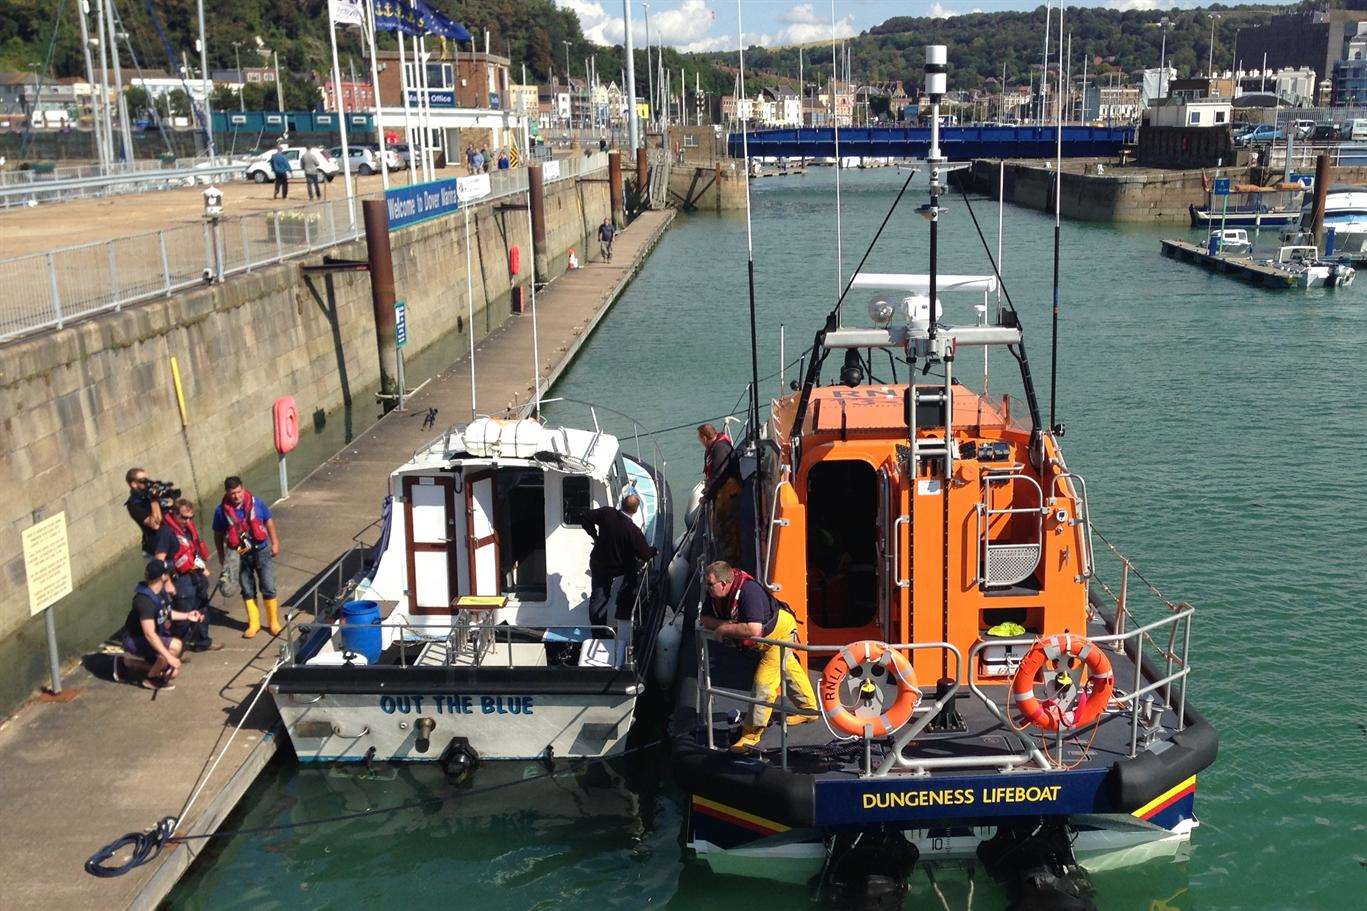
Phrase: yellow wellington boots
[273,616]
[253,619]
[748,740]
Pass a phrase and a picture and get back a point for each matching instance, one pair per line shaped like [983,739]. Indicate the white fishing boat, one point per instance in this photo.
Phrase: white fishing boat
[1345,220]
[468,637]
[1309,270]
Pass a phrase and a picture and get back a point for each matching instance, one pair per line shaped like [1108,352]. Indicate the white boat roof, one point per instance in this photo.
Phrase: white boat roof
[906,281]
[580,451]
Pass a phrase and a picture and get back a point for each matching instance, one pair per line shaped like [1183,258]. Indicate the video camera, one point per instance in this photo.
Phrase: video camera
[164,492]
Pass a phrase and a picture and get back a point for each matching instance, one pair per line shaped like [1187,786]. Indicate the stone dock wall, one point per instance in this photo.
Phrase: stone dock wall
[81,405]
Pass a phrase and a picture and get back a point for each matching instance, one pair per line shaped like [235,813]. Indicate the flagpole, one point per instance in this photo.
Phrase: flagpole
[341,118]
[407,108]
[375,87]
[427,112]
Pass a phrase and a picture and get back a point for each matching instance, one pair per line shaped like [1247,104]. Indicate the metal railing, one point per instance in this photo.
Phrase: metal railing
[25,187]
[460,638]
[1144,702]
[48,290]
[341,577]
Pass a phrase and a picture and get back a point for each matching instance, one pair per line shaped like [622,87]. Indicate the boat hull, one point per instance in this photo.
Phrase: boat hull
[338,727]
[1100,843]
[1200,218]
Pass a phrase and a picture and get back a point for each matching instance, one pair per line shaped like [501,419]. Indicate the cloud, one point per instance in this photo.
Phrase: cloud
[595,20]
[1127,5]
[940,11]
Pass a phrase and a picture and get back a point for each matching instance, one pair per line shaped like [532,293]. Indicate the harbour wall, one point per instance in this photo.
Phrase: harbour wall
[1139,196]
[80,405]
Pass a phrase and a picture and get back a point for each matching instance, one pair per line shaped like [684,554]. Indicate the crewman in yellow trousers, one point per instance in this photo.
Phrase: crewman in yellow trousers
[245,524]
[743,610]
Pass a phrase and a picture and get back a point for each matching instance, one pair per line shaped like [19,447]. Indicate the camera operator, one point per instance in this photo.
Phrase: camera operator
[143,508]
[188,560]
[245,523]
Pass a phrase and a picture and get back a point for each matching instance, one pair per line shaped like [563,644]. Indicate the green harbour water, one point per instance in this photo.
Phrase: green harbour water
[1222,430]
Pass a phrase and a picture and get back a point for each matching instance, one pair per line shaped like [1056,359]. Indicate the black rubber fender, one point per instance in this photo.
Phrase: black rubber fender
[751,785]
[1134,782]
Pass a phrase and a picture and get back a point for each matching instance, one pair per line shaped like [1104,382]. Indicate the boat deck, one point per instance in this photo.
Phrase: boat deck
[814,749]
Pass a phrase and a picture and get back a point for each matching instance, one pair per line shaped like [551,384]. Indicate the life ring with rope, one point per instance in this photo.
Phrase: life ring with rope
[1072,704]
[868,663]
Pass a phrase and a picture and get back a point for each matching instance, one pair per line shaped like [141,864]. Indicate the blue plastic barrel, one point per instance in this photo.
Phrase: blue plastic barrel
[361,629]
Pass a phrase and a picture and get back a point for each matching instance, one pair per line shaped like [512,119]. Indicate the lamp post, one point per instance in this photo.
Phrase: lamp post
[1163,60]
[241,79]
[569,89]
[1210,57]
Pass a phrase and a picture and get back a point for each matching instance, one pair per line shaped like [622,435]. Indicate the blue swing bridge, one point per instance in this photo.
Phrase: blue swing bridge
[957,143]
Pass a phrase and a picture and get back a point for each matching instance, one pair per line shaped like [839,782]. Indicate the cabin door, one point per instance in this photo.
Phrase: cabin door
[845,600]
[429,511]
[481,535]
[887,553]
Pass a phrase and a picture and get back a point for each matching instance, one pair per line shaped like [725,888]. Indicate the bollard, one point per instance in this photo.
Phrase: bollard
[615,193]
[643,178]
[381,263]
[536,201]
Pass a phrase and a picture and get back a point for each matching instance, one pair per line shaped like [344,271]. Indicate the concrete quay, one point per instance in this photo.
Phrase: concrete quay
[118,758]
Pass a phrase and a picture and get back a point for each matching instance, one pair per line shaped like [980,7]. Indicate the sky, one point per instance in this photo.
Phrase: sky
[710,25]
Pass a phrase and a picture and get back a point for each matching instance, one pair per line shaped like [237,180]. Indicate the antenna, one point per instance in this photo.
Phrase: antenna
[1058,199]
[749,234]
[835,118]
[935,87]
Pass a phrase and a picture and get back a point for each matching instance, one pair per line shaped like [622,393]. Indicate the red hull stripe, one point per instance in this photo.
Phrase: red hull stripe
[737,817]
[1168,800]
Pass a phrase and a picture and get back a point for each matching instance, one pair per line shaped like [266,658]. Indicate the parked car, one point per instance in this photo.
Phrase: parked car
[1263,132]
[365,158]
[405,155]
[1357,130]
[1302,128]
[1326,132]
[259,169]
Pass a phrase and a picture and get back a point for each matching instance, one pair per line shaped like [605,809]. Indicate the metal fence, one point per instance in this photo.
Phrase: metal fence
[20,188]
[47,290]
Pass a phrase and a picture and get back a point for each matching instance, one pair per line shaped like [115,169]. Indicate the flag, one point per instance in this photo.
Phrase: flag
[397,16]
[438,23]
[348,12]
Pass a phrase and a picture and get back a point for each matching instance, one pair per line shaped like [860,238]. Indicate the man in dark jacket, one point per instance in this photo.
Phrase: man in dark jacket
[619,547]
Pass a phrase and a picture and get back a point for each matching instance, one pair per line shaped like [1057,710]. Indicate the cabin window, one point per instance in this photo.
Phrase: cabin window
[576,500]
[842,543]
[520,517]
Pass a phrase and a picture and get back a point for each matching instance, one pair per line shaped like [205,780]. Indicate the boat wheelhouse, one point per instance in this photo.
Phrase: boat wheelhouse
[469,635]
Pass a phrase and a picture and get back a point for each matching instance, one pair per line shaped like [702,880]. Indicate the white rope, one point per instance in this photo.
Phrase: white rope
[204,779]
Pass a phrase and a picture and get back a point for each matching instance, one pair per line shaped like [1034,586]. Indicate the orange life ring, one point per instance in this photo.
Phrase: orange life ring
[1091,699]
[874,659]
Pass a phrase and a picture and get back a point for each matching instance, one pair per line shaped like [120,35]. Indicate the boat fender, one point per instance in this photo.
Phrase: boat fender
[679,573]
[694,505]
[868,662]
[666,667]
[459,760]
[1062,653]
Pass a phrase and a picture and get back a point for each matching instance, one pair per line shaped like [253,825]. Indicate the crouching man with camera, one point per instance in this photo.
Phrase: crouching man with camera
[245,524]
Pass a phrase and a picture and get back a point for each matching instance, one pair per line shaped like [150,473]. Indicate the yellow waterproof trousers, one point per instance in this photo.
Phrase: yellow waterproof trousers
[768,679]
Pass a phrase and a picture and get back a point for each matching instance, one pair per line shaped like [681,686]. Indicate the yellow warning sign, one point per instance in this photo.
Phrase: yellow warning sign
[47,563]
[514,156]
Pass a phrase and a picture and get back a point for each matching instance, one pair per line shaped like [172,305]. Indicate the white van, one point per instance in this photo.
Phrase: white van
[1357,129]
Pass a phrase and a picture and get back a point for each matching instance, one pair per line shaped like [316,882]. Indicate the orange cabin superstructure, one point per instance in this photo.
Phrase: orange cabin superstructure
[866,538]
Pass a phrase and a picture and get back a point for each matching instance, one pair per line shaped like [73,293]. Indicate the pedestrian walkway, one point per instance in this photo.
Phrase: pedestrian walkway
[119,758]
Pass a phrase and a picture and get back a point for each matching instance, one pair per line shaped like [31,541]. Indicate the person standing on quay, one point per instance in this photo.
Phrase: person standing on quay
[280,167]
[245,523]
[312,161]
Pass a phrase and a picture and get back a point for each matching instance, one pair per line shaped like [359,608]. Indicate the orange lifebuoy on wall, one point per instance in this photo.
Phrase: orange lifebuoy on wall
[867,661]
[514,260]
[286,424]
[1074,705]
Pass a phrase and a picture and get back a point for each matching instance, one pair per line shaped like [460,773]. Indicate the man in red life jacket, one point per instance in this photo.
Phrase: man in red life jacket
[190,578]
[245,523]
[721,483]
[743,610]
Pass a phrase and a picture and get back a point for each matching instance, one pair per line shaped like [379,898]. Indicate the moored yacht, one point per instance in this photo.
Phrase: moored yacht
[468,637]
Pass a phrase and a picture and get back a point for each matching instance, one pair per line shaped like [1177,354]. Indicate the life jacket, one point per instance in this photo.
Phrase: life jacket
[189,545]
[709,471]
[730,608]
[245,523]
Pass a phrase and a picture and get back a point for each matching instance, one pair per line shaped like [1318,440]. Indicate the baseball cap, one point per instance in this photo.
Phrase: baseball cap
[156,569]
